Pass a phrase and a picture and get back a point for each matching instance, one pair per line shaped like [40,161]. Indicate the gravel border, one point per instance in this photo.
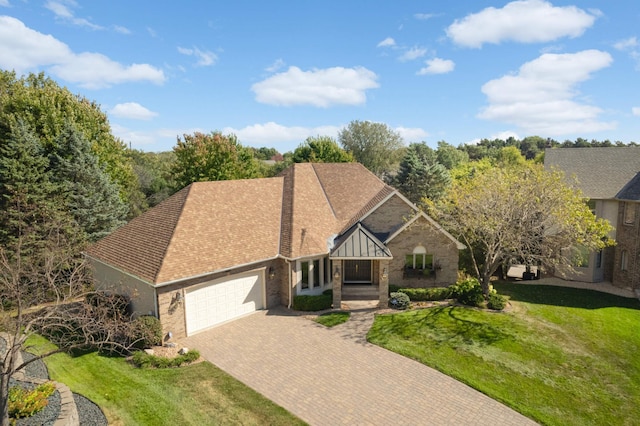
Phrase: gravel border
[45,417]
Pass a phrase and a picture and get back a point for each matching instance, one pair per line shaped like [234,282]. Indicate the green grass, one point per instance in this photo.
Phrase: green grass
[331,319]
[560,356]
[199,394]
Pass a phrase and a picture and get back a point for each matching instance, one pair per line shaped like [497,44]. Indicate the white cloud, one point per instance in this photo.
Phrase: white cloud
[387,42]
[5,3]
[541,97]
[62,11]
[271,133]
[437,66]
[626,44]
[205,57]
[413,53]
[317,87]
[425,16]
[504,135]
[635,111]
[276,66]
[524,21]
[414,134]
[23,49]
[132,110]
[122,30]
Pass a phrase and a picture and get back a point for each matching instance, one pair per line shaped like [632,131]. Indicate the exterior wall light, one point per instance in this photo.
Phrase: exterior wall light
[385,274]
[272,272]
[336,274]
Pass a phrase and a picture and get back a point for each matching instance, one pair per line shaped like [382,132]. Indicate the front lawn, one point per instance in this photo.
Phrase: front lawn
[560,355]
[200,394]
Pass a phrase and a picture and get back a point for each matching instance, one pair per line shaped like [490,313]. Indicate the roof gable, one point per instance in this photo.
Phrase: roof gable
[601,172]
[360,243]
[631,191]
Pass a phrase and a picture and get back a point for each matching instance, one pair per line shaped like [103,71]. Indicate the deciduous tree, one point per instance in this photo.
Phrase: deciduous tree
[209,157]
[524,214]
[374,145]
[320,149]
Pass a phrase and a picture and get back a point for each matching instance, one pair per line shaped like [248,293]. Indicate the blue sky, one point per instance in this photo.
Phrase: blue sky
[274,73]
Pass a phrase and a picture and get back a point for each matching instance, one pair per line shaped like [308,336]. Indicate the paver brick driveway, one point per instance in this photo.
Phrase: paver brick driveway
[333,376]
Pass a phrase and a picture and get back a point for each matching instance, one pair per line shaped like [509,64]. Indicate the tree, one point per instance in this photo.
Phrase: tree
[420,175]
[374,145]
[320,149]
[154,174]
[87,191]
[524,214]
[26,202]
[47,294]
[450,156]
[44,107]
[208,157]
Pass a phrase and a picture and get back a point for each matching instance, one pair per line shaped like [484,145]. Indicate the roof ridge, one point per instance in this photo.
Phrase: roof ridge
[324,191]
[187,190]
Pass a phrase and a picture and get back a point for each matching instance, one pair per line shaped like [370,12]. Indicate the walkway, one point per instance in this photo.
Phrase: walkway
[333,376]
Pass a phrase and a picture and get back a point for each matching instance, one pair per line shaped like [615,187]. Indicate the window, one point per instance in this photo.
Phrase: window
[304,268]
[623,260]
[629,213]
[312,275]
[599,259]
[418,263]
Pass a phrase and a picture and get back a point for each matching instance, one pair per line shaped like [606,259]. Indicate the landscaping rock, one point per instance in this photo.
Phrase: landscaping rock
[149,351]
[183,351]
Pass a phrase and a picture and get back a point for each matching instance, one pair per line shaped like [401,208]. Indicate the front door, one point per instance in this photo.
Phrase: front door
[357,272]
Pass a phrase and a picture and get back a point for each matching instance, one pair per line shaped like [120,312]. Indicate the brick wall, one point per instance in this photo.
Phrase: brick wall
[389,216]
[627,240]
[444,250]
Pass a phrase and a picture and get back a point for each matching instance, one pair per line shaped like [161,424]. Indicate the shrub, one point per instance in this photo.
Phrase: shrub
[424,294]
[398,300]
[142,359]
[393,288]
[468,292]
[25,403]
[496,302]
[312,303]
[147,332]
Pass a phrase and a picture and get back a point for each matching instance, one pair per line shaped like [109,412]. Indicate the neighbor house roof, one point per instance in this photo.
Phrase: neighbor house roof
[601,172]
[631,191]
[213,226]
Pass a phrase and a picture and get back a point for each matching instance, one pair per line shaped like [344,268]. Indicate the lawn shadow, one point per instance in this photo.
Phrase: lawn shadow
[563,296]
[466,330]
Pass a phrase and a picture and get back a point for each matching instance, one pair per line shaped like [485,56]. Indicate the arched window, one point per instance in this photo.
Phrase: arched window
[419,259]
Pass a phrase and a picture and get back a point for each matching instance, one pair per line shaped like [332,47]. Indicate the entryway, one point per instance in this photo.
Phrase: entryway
[358,272]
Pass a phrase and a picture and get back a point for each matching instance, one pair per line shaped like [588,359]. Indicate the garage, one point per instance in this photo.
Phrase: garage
[215,302]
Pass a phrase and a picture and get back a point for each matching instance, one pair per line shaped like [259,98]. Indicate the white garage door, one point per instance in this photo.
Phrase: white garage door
[221,300]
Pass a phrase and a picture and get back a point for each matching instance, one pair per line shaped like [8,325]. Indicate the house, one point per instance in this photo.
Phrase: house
[215,251]
[609,177]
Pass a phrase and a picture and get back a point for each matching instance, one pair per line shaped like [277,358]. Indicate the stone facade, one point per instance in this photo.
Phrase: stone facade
[444,251]
[626,273]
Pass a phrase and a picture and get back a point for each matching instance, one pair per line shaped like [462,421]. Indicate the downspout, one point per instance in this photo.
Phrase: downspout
[289,286]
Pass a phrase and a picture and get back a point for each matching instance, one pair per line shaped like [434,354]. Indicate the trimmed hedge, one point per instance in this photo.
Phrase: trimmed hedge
[318,302]
[399,300]
[427,294]
[144,360]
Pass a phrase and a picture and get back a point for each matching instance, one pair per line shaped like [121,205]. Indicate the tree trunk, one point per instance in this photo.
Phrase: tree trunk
[4,399]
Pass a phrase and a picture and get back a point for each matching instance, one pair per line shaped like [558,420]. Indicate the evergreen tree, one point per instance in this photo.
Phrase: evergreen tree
[420,175]
[89,194]
[26,203]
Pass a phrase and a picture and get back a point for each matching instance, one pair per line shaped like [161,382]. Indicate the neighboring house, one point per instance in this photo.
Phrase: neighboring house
[215,251]
[609,178]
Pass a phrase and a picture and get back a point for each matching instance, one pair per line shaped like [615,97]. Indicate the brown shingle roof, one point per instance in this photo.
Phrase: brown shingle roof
[206,227]
[212,226]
